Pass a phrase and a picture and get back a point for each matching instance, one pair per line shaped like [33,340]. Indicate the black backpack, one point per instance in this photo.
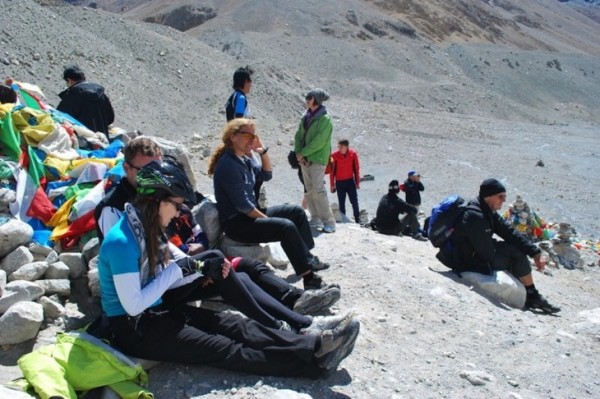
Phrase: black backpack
[230,106]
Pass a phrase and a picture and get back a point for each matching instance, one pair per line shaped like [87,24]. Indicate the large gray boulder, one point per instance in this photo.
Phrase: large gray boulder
[57,270]
[29,272]
[14,233]
[234,248]
[59,287]
[500,286]
[19,291]
[21,322]
[180,153]
[75,262]
[90,249]
[17,258]
[52,309]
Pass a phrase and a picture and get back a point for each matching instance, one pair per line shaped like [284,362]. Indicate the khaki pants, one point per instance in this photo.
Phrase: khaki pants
[316,195]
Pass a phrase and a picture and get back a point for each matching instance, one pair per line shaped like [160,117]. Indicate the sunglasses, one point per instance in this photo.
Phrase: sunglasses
[178,205]
[134,167]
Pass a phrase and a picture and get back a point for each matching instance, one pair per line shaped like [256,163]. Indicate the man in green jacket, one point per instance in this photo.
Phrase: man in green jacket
[313,150]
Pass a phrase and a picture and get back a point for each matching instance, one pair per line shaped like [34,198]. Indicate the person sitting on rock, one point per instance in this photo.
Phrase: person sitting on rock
[137,268]
[387,217]
[259,282]
[476,250]
[234,177]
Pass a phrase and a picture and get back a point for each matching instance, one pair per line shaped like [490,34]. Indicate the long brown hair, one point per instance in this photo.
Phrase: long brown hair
[232,127]
[153,230]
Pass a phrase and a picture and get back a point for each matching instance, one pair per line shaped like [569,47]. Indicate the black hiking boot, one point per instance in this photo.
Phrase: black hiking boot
[535,301]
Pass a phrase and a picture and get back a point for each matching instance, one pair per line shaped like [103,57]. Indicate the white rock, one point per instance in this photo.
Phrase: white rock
[17,258]
[60,287]
[476,377]
[52,310]
[589,322]
[75,262]
[6,392]
[29,272]
[21,322]
[18,291]
[57,270]
[253,251]
[52,257]
[500,286]
[92,264]
[90,249]
[180,153]
[206,215]
[94,282]
[38,249]
[2,280]
[13,234]
[276,256]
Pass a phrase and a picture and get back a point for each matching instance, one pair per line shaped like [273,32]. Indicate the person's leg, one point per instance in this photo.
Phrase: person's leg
[263,276]
[298,217]
[410,220]
[272,306]
[340,189]
[308,195]
[313,180]
[272,229]
[353,196]
[212,339]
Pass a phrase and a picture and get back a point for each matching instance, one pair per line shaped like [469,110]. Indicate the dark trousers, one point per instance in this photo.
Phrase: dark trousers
[510,258]
[410,221]
[199,336]
[263,276]
[343,187]
[239,291]
[285,223]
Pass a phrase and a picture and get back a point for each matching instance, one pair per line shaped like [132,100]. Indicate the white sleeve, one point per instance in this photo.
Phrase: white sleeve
[108,218]
[135,299]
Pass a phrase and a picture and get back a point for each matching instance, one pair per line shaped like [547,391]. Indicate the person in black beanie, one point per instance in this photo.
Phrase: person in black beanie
[476,250]
[389,209]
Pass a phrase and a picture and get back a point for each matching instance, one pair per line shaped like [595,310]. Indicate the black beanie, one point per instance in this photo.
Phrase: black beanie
[490,187]
[394,187]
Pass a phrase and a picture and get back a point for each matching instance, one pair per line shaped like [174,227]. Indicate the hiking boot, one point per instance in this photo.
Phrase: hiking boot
[336,345]
[320,324]
[536,301]
[315,301]
[419,237]
[316,264]
[328,229]
[317,282]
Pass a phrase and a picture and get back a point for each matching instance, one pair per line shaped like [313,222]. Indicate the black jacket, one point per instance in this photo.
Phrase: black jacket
[412,190]
[88,103]
[122,193]
[390,206]
[473,242]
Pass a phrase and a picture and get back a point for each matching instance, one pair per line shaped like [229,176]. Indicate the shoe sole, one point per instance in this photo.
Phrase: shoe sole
[319,303]
[333,359]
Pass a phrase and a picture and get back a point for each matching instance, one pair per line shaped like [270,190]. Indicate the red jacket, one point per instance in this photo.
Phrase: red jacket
[345,166]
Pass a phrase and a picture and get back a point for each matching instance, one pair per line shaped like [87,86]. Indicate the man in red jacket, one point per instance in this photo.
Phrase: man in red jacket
[345,177]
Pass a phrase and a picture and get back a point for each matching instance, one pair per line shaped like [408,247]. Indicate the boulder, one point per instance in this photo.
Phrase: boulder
[13,234]
[245,250]
[7,197]
[52,309]
[90,249]
[38,249]
[276,256]
[94,283]
[500,286]
[206,215]
[180,153]
[17,258]
[59,287]
[57,270]
[29,272]
[52,257]
[92,264]
[75,262]
[2,281]
[21,322]
[19,291]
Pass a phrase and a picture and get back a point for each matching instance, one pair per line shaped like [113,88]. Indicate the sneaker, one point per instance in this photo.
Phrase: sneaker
[315,223]
[419,237]
[328,229]
[536,301]
[320,324]
[315,301]
[336,345]
[316,264]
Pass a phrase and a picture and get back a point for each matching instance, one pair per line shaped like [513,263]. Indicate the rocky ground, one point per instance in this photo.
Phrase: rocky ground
[457,109]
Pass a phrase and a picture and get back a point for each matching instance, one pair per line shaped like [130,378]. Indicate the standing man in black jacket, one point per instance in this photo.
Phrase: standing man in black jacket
[476,250]
[86,101]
